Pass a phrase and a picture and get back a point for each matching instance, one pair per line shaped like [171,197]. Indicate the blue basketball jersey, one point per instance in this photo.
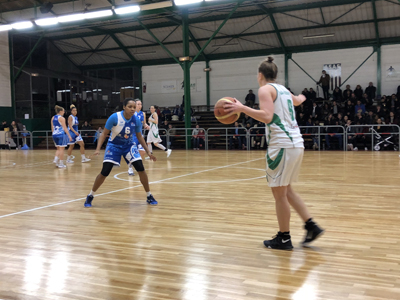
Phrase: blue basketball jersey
[140,116]
[75,123]
[58,129]
[122,130]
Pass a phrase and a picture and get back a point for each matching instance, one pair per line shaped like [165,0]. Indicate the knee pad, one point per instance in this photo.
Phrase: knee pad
[107,167]
[138,165]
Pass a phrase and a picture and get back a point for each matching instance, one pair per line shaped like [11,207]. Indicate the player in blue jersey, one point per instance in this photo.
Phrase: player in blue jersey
[122,127]
[61,135]
[76,137]
[142,117]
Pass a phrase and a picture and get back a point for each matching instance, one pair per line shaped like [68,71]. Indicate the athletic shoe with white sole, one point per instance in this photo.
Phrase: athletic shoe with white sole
[169,152]
[281,241]
[313,232]
[130,172]
[85,160]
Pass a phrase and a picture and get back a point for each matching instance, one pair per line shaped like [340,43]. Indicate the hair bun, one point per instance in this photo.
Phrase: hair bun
[270,59]
[72,106]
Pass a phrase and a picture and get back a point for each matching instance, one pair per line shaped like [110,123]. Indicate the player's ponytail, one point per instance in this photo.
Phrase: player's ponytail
[58,109]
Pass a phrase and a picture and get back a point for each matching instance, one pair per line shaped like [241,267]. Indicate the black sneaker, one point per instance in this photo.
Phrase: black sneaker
[88,202]
[280,241]
[313,232]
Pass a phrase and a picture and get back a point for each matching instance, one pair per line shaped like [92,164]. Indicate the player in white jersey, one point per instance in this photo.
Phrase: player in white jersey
[284,153]
[61,135]
[76,137]
[142,117]
[153,135]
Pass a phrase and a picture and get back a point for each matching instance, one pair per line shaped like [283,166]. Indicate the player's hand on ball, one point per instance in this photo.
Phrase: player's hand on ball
[235,106]
[152,157]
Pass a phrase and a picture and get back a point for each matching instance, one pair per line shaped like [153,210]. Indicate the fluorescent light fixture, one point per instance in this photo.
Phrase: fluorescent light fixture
[144,53]
[186,2]
[5,27]
[99,90]
[127,9]
[127,87]
[22,25]
[63,91]
[185,58]
[71,18]
[225,45]
[35,74]
[163,4]
[98,14]
[318,36]
[46,21]
[138,88]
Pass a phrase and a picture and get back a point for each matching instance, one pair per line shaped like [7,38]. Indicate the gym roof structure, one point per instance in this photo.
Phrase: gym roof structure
[246,28]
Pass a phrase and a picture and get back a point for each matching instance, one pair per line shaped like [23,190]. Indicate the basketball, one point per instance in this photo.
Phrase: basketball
[221,115]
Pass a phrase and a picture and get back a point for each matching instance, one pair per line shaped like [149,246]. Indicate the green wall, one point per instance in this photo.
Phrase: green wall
[7,114]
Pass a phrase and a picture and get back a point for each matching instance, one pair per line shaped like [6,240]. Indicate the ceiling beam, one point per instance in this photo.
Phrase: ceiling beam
[264,52]
[276,29]
[247,34]
[375,21]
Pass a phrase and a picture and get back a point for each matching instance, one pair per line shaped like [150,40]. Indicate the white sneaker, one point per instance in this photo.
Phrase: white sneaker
[366,149]
[355,149]
[55,162]
[70,161]
[147,157]
[84,160]
[169,152]
[130,172]
[62,166]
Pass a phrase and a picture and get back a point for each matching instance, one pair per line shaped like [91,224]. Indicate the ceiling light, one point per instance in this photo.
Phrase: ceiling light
[71,18]
[46,21]
[127,9]
[185,2]
[144,53]
[318,36]
[185,58]
[5,27]
[225,45]
[98,14]
[22,25]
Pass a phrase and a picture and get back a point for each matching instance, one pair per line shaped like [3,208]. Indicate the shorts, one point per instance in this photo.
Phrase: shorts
[113,154]
[140,147]
[283,165]
[153,138]
[75,138]
[60,140]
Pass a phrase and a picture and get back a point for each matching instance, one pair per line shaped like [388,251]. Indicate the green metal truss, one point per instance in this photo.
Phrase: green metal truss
[276,29]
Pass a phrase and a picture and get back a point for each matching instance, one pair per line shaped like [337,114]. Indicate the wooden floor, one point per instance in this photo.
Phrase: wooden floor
[204,239]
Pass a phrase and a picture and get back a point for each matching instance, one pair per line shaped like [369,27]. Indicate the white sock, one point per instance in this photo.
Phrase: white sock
[161,147]
[91,193]
[148,194]
[60,163]
[56,158]
[69,157]
[150,148]
[83,156]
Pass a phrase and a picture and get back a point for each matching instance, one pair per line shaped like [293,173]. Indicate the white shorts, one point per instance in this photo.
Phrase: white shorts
[283,165]
[140,148]
[153,138]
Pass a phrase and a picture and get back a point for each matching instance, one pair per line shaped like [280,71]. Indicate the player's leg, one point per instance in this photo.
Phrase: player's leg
[81,144]
[168,151]
[69,152]
[61,157]
[112,157]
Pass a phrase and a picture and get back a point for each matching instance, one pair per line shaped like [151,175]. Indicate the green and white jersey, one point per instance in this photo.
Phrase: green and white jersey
[283,131]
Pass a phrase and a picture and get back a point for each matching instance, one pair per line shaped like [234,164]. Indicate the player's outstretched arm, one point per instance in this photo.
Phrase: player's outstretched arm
[62,122]
[144,145]
[102,138]
[297,100]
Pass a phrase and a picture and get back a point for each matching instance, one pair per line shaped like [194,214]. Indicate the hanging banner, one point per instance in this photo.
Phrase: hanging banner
[335,72]
[168,86]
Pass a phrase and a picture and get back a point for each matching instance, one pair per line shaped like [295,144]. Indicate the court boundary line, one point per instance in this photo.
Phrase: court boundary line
[127,188]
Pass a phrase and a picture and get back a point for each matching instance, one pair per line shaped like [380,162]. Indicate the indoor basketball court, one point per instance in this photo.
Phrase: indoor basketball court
[204,239]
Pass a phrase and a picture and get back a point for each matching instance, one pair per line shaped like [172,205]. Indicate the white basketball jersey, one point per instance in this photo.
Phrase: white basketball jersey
[283,131]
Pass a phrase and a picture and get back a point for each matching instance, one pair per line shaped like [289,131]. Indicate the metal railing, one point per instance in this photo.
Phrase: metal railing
[386,135]
[25,137]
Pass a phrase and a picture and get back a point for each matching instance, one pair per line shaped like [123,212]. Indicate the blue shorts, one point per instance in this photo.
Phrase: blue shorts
[113,154]
[60,140]
[75,138]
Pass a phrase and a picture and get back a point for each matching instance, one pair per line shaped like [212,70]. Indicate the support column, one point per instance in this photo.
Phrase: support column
[379,70]
[186,75]
[208,85]
[141,84]
[287,57]
[12,81]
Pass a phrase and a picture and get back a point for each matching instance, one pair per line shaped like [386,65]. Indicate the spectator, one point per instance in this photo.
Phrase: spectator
[324,81]
[176,110]
[393,103]
[346,95]
[349,109]
[326,109]
[379,112]
[85,133]
[359,107]
[158,111]
[334,132]
[16,129]
[301,120]
[202,138]
[353,98]
[172,134]
[351,136]
[313,94]
[383,101]
[330,120]
[371,92]
[315,111]
[359,119]
[306,94]
[247,120]
[337,94]
[238,136]
[392,119]
[255,106]
[366,101]
[398,92]
[3,125]
[370,118]
[358,92]
[257,141]
[166,114]
[181,112]
[340,119]
[250,99]
[195,137]
[335,109]
[348,89]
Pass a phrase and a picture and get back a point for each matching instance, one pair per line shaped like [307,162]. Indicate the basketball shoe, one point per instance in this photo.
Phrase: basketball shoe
[88,202]
[151,200]
[313,232]
[281,241]
[130,172]
[169,152]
